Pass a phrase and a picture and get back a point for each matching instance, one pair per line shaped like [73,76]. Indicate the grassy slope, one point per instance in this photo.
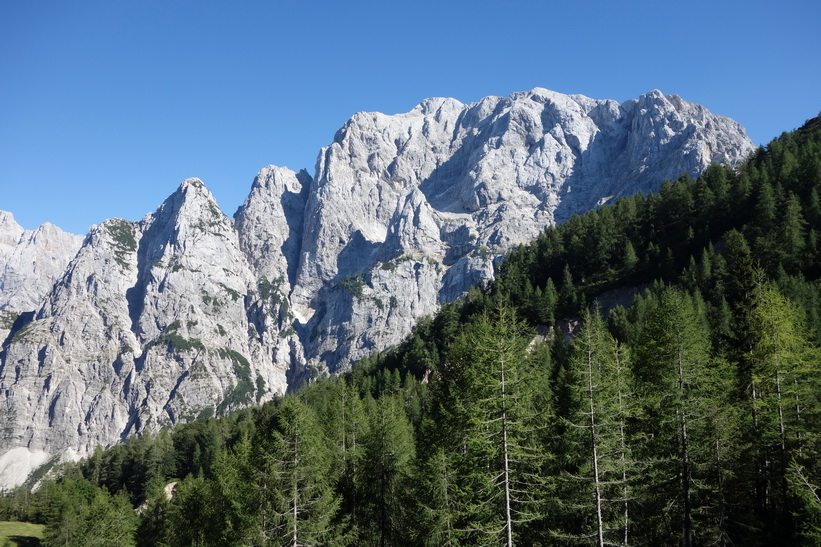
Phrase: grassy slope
[23,534]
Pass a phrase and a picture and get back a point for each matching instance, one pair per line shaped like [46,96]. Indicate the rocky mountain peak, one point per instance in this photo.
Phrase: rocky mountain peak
[30,262]
[192,206]
[188,313]
[454,183]
[270,224]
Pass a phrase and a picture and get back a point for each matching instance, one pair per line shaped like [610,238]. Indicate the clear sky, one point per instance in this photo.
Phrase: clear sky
[107,105]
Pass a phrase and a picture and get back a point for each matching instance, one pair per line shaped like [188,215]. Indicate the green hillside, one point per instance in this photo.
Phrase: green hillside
[647,373]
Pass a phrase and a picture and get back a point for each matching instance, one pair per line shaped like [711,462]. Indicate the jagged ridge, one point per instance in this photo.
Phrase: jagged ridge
[186,313]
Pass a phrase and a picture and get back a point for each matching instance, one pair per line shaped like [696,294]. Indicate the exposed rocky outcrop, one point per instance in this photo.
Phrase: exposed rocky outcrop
[434,194]
[30,262]
[149,326]
[186,313]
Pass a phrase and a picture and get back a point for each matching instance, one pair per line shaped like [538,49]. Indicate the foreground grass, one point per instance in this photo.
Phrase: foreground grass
[22,534]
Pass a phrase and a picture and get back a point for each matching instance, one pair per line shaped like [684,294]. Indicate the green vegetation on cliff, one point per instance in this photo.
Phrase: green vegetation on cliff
[646,373]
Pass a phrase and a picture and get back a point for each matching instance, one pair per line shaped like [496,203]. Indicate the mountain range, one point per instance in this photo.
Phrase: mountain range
[189,313]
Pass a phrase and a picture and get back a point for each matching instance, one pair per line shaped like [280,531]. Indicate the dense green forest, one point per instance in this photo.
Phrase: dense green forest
[534,411]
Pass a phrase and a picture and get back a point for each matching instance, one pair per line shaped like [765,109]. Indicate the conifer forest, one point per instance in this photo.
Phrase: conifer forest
[648,373]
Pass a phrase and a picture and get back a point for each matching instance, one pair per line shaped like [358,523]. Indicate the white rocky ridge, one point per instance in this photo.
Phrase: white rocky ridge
[30,262]
[149,326]
[448,186]
[186,313]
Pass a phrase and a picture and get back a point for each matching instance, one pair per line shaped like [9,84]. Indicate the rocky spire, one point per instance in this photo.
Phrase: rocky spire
[188,314]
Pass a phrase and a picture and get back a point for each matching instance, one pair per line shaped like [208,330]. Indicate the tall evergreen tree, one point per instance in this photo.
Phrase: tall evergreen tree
[808,504]
[345,423]
[782,387]
[384,472]
[437,498]
[599,456]
[671,363]
[247,478]
[196,514]
[305,500]
[108,521]
[153,526]
[791,233]
[629,258]
[489,377]
[568,296]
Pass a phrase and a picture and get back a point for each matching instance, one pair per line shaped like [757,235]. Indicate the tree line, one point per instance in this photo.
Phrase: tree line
[531,411]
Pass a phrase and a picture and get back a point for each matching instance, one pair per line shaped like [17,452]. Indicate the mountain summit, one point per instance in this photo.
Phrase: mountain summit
[187,313]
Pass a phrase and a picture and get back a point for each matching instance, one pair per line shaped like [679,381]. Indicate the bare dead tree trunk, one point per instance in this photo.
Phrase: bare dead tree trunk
[623,447]
[685,458]
[508,518]
[593,440]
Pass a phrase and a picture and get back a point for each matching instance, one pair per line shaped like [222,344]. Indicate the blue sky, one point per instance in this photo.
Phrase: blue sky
[106,106]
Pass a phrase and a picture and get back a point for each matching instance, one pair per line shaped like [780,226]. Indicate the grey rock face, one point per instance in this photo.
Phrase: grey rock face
[187,313]
[31,261]
[448,186]
[270,224]
[148,327]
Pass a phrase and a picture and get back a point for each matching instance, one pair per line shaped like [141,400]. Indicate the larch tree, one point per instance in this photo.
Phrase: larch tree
[600,465]
[384,470]
[782,387]
[305,499]
[672,359]
[490,381]
[340,412]
[436,498]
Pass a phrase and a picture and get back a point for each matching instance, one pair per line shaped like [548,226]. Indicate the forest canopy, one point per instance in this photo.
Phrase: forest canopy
[645,373]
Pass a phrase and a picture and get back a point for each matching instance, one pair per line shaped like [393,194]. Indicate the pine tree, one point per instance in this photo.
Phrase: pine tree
[489,381]
[599,456]
[305,502]
[384,471]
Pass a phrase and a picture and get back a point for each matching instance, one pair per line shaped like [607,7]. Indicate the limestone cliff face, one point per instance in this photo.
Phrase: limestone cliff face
[187,313]
[411,209]
[30,262]
[148,326]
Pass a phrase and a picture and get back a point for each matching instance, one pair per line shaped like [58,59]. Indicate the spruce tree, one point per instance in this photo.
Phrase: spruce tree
[493,430]
[600,465]
[384,471]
